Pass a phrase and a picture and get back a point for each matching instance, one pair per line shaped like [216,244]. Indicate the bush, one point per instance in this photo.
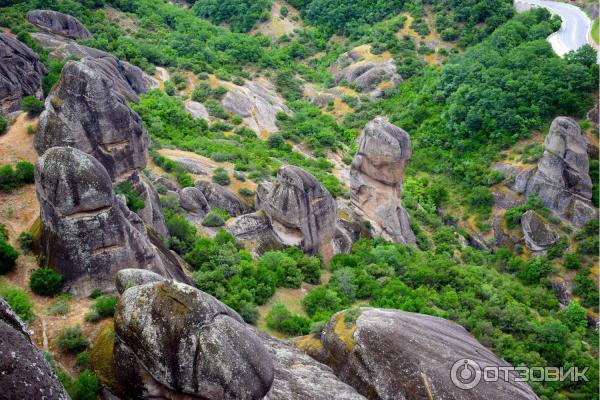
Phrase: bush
[82,361]
[571,261]
[72,340]
[86,387]
[45,281]
[105,306]
[134,202]
[213,220]
[59,307]
[246,192]
[25,240]
[32,105]
[96,293]
[19,301]
[322,300]
[3,125]
[24,172]
[8,256]
[220,177]
[280,319]
[311,269]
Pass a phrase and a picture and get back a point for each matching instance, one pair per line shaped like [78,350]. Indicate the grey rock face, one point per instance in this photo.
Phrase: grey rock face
[88,234]
[195,167]
[192,200]
[538,235]
[86,111]
[180,341]
[130,277]
[21,74]
[197,110]
[25,371]
[151,214]
[301,211]
[299,377]
[562,176]
[219,197]
[376,179]
[392,354]
[59,24]
[250,226]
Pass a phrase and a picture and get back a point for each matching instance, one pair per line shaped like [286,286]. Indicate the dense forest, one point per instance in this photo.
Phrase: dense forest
[485,92]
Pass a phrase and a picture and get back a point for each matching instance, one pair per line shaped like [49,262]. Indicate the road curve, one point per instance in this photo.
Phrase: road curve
[575,28]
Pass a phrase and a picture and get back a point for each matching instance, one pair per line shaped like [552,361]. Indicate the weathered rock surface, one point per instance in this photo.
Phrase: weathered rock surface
[373,74]
[195,167]
[377,176]
[130,277]
[25,373]
[197,110]
[562,178]
[86,111]
[61,48]
[59,24]
[249,226]
[219,197]
[21,73]
[390,354]
[257,103]
[174,340]
[302,212]
[151,214]
[538,235]
[191,199]
[88,234]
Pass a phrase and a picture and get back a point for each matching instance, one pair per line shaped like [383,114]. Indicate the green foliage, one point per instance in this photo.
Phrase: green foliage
[13,178]
[571,261]
[82,361]
[25,240]
[213,220]
[104,306]
[246,192]
[19,301]
[221,177]
[323,301]
[183,234]
[311,269]
[54,69]
[45,281]
[241,15]
[8,255]
[72,340]
[32,105]
[282,320]
[97,292]
[59,307]
[86,387]
[134,202]
[586,288]
[575,316]
[3,125]
[284,267]
[533,202]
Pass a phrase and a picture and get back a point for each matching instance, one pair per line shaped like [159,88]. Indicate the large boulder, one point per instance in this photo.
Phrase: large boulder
[196,110]
[130,277]
[25,373]
[377,173]
[88,233]
[562,177]
[86,111]
[219,197]
[192,200]
[391,354]
[173,340]
[301,211]
[21,73]
[537,234]
[151,214]
[59,24]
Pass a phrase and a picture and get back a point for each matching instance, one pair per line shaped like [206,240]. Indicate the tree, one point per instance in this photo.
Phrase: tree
[3,125]
[32,105]
[311,269]
[8,256]
[45,281]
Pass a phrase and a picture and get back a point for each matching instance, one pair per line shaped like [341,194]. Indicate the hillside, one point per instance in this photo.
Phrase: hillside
[270,199]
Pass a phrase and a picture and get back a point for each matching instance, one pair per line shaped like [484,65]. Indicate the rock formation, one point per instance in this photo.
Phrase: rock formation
[192,200]
[59,24]
[152,213]
[21,73]
[377,176]
[197,110]
[219,197]
[562,178]
[25,373]
[88,233]
[301,211]
[391,354]
[538,235]
[130,277]
[174,339]
[372,73]
[257,103]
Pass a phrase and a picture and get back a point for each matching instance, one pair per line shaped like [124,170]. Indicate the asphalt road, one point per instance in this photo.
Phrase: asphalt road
[575,26]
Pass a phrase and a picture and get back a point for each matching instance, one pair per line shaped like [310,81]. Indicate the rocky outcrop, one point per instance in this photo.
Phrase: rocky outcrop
[373,74]
[257,103]
[130,277]
[174,340]
[58,24]
[376,179]
[219,197]
[192,200]
[537,233]
[391,354]
[88,233]
[21,73]
[25,372]
[86,111]
[562,178]
[301,211]
[152,213]
[196,110]
[192,166]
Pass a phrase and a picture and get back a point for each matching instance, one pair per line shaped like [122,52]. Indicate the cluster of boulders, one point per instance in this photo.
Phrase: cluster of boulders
[89,139]
[21,73]
[377,173]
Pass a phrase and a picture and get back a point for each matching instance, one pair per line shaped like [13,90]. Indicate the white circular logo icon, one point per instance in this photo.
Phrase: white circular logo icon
[465,374]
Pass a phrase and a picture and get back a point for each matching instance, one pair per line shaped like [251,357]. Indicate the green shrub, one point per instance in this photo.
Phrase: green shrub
[59,307]
[32,105]
[105,306]
[3,124]
[8,256]
[221,177]
[97,292]
[184,179]
[45,281]
[25,240]
[82,361]
[134,202]
[8,178]
[280,319]
[19,301]
[213,220]
[72,340]
[246,192]
[311,269]
[571,261]
[24,172]
[221,213]
[219,92]
[86,387]
[92,316]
